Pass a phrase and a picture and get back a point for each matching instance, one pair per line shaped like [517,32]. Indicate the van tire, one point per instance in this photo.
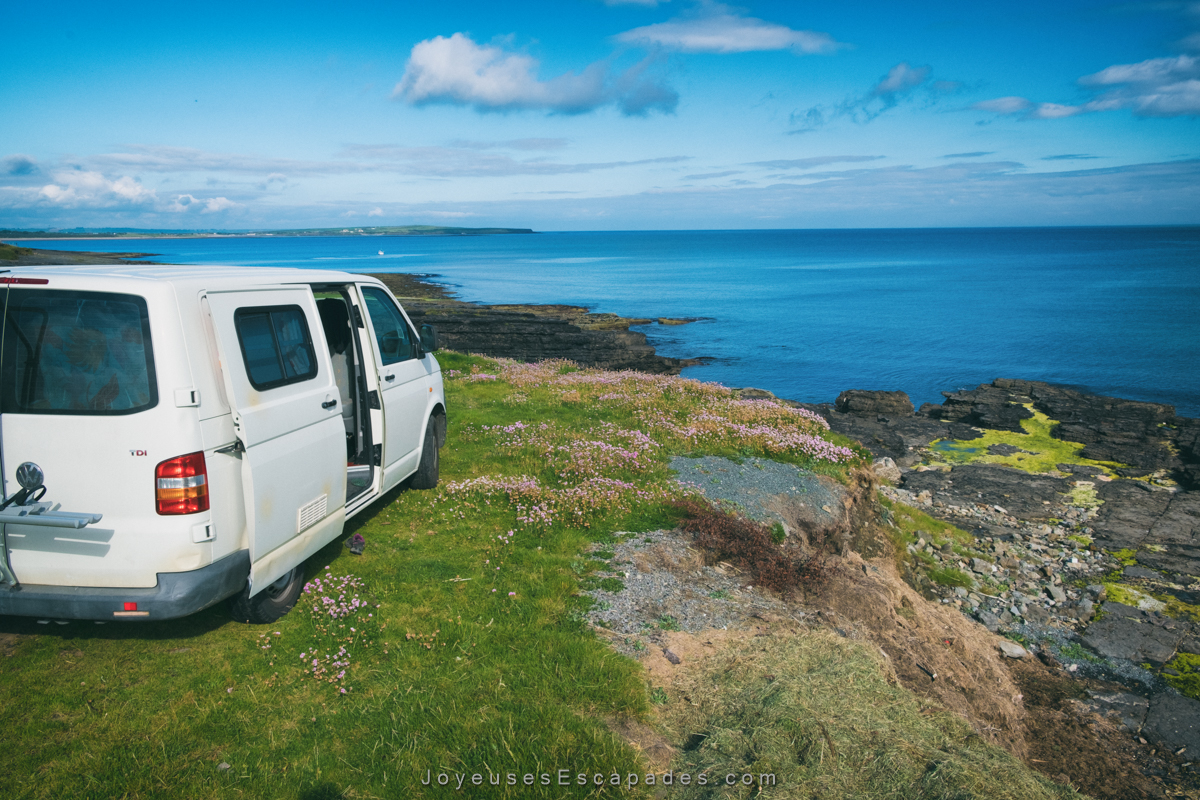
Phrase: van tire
[271,603]
[426,476]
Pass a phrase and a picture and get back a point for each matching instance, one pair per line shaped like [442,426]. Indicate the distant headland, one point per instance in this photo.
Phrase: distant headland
[135,233]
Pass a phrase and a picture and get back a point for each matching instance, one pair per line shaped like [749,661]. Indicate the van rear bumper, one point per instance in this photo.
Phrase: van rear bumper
[176,595]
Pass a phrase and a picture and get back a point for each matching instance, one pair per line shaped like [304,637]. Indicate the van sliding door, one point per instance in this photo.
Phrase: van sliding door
[286,412]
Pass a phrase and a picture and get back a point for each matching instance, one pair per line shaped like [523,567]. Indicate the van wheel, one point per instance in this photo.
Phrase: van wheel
[426,476]
[271,603]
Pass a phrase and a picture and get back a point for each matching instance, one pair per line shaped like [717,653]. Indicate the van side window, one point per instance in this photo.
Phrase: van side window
[276,345]
[69,352]
[391,331]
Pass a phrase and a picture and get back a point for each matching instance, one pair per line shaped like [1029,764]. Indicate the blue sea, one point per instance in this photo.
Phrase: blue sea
[809,313]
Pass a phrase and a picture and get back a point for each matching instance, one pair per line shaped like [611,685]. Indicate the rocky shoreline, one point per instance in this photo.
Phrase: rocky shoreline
[533,332]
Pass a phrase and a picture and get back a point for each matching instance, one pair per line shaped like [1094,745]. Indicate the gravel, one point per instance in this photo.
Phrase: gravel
[668,587]
[750,484]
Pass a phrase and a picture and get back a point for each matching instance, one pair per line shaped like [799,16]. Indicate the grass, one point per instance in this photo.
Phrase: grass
[1187,682]
[468,649]
[1045,452]
[814,715]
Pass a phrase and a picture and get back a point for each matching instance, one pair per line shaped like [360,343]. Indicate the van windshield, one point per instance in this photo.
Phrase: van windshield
[66,352]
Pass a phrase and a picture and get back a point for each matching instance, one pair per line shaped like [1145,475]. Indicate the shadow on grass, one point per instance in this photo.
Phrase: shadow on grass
[195,625]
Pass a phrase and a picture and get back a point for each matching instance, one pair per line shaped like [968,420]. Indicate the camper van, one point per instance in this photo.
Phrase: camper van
[175,436]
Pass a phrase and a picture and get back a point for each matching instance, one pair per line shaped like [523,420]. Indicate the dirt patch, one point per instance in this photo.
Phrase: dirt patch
[933,651]
[9,643]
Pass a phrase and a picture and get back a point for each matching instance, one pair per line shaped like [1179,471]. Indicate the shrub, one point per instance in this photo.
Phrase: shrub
[749,545]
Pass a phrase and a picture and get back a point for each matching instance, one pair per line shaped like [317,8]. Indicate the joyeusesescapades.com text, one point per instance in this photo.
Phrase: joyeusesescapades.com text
[565,777]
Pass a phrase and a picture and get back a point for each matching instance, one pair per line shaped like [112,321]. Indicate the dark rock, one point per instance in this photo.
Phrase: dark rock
[932,410]
[1080,469]
[898,437]
[527,336]
[1004,450]
[1174,721]
[1129,708]
[1134,635]
[1019,493]
[986,407]
[1140,572]
[989,620]
[873,404]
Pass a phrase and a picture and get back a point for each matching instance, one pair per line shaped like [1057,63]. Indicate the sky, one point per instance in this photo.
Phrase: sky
[599,114]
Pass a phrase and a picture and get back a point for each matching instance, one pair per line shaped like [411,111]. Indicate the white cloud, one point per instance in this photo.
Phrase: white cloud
[375,212]
[719,31]
[1155,71]
[900,78]
[809,163]
[457,71]
[1157,87]
[85,188]
[1004,105]
[215,204]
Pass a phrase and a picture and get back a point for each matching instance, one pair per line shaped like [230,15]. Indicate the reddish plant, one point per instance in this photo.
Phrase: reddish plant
[748,545]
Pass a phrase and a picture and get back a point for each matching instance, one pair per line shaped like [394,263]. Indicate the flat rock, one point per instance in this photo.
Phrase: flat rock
[1019,493]
[1141,572]
[1134,635]
[1174,721]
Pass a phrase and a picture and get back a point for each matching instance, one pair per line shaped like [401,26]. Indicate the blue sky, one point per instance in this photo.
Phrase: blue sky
[599,114]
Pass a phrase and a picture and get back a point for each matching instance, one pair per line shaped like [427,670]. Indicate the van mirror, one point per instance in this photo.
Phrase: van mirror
[429,338]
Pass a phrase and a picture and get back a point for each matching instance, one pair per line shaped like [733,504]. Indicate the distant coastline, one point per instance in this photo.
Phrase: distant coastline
[379,230]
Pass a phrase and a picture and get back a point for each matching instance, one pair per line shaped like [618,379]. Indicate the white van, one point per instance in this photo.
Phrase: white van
[174,436]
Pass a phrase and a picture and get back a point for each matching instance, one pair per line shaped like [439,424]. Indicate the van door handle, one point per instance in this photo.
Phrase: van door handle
[389,377]
[329,404]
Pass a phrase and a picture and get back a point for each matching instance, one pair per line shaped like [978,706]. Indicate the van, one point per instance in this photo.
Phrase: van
[173,436]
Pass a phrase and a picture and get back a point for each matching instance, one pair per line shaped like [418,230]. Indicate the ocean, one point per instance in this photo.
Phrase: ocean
[808,313]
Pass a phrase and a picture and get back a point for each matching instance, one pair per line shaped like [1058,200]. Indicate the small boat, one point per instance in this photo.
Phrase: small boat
[380,252]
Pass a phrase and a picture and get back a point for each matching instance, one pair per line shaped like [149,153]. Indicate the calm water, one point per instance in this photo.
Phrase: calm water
[807,314]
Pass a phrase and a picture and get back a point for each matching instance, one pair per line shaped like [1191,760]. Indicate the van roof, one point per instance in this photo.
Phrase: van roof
[195,276]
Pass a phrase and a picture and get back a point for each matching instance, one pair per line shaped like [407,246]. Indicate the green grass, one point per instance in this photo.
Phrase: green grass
[950,576]
[476,656]
[1045,452]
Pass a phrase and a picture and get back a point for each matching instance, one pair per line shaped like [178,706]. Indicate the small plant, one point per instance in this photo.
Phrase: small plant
[1074,651]
[658,696]
[778,533]
[668,623]
[1187,682]
[612,585]
[719,594]
[949,576]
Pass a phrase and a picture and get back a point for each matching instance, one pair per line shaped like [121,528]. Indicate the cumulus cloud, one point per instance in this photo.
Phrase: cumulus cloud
[375,212]
[87,188]
[1157,87]
[455,70]
[718,30]
[900,83]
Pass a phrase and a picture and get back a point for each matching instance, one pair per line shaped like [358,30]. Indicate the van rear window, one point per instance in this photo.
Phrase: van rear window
[66,352]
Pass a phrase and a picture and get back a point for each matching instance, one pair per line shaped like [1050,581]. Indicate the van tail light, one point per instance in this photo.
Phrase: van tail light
[181,485]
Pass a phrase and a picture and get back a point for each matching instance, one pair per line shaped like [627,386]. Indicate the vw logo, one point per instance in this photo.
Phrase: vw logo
[30,476]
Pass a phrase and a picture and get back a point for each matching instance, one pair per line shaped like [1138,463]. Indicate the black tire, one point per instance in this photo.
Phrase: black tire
[271,603]
[426,476]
